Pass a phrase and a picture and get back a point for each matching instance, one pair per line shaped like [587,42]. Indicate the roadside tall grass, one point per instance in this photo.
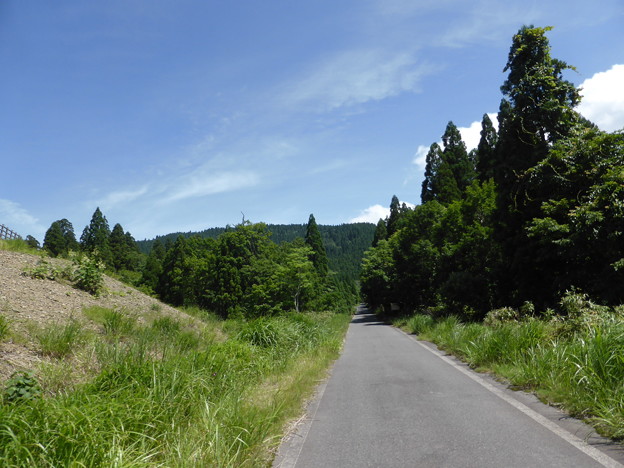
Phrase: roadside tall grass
[156,403]
[577,362]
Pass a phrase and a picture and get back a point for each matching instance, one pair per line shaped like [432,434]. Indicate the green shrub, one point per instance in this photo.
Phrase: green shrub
[20,387]
[89,274]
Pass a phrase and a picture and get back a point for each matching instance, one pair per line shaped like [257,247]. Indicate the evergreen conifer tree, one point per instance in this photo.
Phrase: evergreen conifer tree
[314,240]
[95,238]
[381,232]
[433,161]
[60,238]
[485,154]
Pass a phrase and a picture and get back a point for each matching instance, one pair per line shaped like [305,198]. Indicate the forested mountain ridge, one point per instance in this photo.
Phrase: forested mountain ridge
[345,243]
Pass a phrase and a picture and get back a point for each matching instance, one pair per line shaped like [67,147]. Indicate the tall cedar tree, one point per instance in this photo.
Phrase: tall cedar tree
[448,171]
[536,111]
[433,161]
[456,157]
[392,225]
[95,237]
[315,241]
[485,155]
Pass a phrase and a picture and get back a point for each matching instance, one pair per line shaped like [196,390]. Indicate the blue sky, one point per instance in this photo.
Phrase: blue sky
[180,115]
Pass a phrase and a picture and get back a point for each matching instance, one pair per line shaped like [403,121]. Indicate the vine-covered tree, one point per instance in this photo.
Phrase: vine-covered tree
[536,111]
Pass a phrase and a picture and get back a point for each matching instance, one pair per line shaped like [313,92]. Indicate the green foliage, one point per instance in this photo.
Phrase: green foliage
[88,274]
[32,242]
[44,270]
[22,386]
[59,340]
[125,254]
[60,239]
[344,244]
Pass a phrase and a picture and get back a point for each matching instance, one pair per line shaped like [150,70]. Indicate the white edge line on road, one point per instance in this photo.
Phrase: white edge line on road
[580,444]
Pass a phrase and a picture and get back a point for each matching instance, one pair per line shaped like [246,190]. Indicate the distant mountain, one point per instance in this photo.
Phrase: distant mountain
[345,244]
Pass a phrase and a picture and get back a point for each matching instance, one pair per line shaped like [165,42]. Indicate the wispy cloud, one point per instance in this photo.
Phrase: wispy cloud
[202,183]
[121,197]
[355,77]
[603,99]
[17,218]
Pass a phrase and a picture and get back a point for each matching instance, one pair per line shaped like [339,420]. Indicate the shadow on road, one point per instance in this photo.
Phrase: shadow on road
[364,316]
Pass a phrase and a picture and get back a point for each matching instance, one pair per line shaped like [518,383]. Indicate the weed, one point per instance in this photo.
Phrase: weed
[21,386]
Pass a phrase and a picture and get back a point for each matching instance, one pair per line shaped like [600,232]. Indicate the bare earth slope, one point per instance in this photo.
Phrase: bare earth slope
[28,303]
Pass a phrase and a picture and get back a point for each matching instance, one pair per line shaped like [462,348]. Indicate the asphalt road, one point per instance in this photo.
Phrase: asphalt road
[392,401]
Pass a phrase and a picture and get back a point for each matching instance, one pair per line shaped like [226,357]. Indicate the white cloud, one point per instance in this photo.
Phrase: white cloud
[13,216]
[420,158]
[603,99]
[374,213]
[358,76]
[201,183]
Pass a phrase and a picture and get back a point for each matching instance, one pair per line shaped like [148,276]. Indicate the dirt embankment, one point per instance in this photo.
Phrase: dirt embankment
[27,302]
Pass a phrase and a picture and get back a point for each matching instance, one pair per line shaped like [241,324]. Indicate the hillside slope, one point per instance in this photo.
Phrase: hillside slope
[30,304]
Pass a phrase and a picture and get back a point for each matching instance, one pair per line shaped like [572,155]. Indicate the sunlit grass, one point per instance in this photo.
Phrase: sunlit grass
[162,393]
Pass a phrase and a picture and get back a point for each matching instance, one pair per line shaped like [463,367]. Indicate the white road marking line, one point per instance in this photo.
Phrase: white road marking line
[580,444]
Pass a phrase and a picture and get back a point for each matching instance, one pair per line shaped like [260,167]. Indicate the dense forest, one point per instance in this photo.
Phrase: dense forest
[345,244]
[236,270]
[535,212]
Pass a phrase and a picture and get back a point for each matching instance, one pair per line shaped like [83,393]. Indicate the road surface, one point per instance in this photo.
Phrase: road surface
[392,401]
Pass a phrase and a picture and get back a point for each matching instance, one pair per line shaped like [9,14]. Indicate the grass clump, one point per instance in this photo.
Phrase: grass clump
[59,340]
[5,327]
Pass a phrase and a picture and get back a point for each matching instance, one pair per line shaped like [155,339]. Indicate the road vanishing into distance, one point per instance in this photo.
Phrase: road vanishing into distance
[393,401]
